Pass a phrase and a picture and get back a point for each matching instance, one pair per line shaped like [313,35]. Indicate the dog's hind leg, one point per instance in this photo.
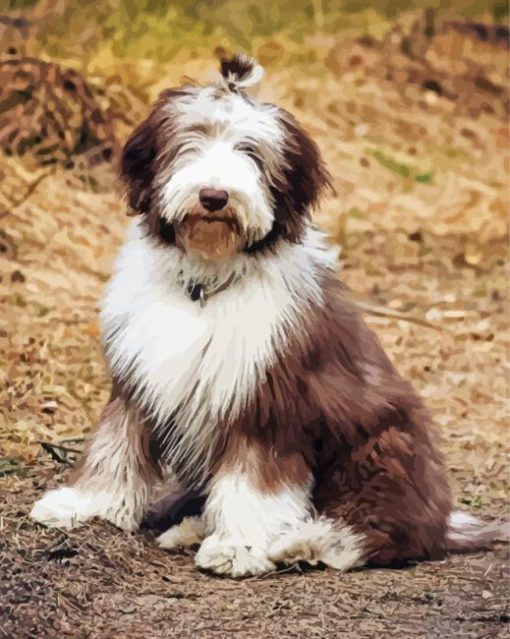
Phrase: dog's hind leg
[389,487]
[189,532]
[179,514]
[113,480]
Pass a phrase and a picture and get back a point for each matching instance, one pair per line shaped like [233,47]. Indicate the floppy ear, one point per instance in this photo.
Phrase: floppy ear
[305,176]
[137,165]
[145,146]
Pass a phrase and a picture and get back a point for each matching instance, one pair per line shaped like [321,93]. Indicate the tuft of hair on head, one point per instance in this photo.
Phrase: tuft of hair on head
[242,73]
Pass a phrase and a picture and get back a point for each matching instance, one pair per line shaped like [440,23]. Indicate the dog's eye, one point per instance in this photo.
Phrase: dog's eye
[250,151]
[197,130]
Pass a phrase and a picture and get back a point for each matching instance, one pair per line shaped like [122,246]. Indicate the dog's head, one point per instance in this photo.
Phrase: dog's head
[221,172]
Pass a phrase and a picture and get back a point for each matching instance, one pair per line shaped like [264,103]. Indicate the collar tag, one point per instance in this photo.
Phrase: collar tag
[196,292]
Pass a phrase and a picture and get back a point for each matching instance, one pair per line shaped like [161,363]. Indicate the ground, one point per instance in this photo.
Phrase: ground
[421,213]
[99,582]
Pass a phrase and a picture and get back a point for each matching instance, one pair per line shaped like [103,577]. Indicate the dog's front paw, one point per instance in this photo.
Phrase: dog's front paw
[63,507]
[224,557]
[318,541]
[188,533]
[68,507]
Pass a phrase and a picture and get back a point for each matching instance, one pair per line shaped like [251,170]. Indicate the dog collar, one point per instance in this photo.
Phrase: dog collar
[199,292]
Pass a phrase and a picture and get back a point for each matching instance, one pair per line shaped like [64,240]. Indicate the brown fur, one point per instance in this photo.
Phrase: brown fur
[139,161]
[213,236]
[333,409]
[304,180]
[239,65]
[119,420]
[266,466]
[148,153]
[336,408]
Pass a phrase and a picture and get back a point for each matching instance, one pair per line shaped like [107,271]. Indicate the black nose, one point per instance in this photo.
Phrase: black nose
[212,199]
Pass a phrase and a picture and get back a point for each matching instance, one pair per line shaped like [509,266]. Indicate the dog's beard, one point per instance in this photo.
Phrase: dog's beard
[251,208]
[211,236]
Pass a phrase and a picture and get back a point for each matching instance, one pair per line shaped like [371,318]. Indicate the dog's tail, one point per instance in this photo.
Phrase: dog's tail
[467,533]
[241,73]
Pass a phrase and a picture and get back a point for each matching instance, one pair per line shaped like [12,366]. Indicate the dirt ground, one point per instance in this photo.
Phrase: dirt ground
[421,213]
[99,582]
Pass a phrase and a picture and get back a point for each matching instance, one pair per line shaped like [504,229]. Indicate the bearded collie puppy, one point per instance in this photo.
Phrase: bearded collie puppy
[241,369]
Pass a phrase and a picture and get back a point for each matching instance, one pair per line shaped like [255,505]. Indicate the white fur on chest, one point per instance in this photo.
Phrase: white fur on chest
[202,365]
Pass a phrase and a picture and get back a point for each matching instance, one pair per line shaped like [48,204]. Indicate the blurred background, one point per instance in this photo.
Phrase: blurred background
[409,103]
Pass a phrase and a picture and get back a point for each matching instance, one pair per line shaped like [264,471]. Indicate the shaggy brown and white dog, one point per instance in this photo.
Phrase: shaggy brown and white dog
[240,366]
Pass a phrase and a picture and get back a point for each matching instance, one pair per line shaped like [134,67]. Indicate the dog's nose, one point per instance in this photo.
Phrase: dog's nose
[213,199]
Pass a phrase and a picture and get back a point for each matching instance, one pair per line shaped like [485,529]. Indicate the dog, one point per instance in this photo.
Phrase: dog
[240,366]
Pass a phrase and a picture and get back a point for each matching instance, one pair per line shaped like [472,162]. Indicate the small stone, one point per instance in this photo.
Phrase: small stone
[17,276]
[415,236]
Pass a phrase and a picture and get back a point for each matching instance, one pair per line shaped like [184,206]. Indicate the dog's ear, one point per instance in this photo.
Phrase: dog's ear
[145,147]
[305,176]
[137,165]
[242,73]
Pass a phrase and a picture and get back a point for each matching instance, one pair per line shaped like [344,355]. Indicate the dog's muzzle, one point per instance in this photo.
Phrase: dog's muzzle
[211,230]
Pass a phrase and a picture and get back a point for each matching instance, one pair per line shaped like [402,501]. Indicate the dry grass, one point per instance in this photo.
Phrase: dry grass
[421,212]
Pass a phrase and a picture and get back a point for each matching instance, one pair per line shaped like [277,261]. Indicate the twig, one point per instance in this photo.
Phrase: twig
[9,465]
[30,190]
[381,311]
[60,447]
[54,451]
[76,440]
[295,567]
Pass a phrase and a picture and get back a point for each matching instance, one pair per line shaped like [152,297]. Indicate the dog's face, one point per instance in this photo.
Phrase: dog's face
[225,173]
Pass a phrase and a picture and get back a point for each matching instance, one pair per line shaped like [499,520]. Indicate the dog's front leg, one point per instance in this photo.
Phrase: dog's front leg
[252,501]
[113,480]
